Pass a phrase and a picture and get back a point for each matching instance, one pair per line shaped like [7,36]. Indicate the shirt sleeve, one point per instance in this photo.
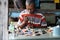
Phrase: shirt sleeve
[43,21]
[20,19]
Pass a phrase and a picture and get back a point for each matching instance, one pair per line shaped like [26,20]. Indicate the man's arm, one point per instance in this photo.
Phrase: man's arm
[43,22]
[20,24]
[23,23]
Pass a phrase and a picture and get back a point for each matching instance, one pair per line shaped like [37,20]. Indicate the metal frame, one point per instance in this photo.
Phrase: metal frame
[3,19]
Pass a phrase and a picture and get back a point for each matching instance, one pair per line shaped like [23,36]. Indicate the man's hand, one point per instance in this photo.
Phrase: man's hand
[24,22]
[25,19]
[29,26]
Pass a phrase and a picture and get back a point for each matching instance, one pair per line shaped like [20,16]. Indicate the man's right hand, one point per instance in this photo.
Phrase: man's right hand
[25,19]
[24,22]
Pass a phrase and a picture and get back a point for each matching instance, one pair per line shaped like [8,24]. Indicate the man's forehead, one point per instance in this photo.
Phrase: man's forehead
[30,5]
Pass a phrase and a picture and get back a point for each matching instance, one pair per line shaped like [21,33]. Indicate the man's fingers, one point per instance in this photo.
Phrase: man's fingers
[25,18]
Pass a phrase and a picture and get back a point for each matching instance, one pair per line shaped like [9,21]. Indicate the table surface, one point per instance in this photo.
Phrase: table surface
[43,36]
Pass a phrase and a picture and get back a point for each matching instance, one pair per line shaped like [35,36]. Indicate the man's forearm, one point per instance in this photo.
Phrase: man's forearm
[22,25]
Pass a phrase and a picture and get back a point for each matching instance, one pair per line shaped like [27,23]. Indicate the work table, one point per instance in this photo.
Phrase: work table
[47,36]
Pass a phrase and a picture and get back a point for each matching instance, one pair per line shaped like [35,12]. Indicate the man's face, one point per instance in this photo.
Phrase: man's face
[30,8]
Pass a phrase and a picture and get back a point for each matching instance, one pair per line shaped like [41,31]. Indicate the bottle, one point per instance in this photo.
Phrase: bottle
[11,27]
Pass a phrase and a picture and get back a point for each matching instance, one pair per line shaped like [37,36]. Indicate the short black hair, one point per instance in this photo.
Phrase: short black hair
[28,2]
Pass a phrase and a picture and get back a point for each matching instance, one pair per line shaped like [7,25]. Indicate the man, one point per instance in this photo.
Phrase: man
[30,17]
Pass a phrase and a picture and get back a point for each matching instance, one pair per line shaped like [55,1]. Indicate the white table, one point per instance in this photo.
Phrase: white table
[47,36]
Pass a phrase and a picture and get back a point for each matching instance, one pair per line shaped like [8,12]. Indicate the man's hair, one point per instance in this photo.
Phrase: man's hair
[28,2]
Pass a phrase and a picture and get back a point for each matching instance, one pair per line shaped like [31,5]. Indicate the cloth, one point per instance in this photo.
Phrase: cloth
[36,18]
